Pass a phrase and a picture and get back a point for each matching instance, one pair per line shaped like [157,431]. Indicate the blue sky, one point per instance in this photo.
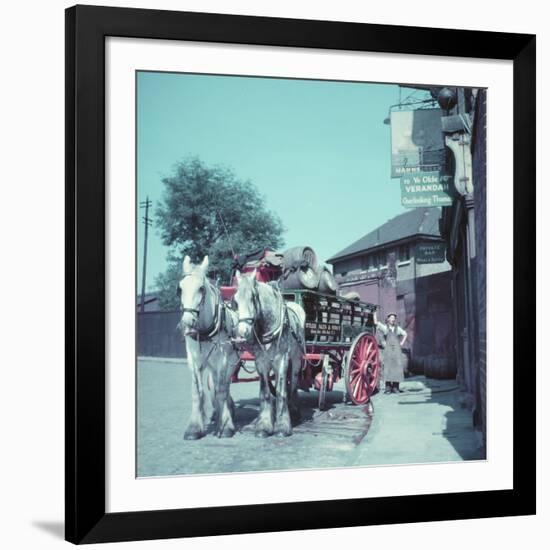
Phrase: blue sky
[318,151]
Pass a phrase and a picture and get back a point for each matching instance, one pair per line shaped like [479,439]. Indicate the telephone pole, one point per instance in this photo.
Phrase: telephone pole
[147,222]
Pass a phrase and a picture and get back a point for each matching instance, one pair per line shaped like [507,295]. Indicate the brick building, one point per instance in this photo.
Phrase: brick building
[463,226]
[384,267]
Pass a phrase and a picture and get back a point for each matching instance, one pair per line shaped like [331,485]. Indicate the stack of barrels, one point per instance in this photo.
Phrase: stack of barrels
[301,270]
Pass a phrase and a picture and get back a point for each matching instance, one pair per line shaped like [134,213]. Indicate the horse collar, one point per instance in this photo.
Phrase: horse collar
[276,332]
[215,326]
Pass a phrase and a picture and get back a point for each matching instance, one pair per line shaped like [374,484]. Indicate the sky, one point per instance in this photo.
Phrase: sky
[318,151]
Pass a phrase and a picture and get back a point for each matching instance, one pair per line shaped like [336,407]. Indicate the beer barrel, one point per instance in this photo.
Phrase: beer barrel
[300,256]
[302,277]
[327,282]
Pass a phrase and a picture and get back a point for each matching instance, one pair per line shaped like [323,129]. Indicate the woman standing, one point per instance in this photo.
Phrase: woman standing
[394,337]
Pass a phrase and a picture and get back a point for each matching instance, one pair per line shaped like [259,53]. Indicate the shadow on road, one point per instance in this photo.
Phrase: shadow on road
[246,410]
[458,428]
[321,439]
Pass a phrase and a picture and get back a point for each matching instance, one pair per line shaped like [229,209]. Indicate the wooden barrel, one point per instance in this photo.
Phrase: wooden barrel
[327,282]
[300,278]
[300,256]
[439,367]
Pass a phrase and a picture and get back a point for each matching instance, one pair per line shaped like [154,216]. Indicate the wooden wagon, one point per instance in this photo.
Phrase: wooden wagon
[340,343]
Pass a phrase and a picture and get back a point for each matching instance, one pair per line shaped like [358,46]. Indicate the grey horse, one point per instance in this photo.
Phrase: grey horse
[273,329]
[207,325]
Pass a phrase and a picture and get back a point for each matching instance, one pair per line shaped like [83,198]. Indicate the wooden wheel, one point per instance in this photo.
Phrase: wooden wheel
[323,391]
[362,368]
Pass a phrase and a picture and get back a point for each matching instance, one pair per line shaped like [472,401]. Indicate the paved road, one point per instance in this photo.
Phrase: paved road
[343,435]
[424,424]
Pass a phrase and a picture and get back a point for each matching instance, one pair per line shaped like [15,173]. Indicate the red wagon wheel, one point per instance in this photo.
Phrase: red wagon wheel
[362,368]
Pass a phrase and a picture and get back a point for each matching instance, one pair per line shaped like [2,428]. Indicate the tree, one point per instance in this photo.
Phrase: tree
[195,200]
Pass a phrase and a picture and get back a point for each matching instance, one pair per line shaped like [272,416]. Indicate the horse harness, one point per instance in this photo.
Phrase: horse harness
[215,326]
[274,334]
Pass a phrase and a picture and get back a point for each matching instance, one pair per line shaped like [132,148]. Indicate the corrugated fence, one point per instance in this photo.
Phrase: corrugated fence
[157,335]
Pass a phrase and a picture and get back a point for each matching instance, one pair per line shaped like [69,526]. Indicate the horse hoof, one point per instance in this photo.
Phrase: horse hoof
[263,433]
[193,435]
[227,432]
[283,432]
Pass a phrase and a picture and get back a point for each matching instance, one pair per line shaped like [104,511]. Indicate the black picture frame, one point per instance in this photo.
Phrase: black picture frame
[86,30]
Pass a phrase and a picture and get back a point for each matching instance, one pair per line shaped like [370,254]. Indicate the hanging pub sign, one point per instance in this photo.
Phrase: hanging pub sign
[416,141]
[430,253]
[426,189]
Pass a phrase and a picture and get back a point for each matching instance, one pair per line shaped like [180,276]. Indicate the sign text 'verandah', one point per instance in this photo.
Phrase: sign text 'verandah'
[425,189]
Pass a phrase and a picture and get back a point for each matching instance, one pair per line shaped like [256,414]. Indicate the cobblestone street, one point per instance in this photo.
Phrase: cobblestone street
[423,424]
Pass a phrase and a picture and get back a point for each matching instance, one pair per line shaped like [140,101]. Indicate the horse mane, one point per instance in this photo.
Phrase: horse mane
[278,311]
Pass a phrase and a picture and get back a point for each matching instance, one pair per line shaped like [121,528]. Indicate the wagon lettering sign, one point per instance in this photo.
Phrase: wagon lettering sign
[430,253]
[426,189]
[322,329]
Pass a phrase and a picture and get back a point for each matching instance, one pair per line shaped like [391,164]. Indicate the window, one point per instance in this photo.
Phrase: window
[374,260]
[404,253]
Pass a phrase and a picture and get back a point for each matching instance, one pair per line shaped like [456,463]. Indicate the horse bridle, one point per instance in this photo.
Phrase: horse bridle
[258,313]
[257,309]
[194,311]
[217,319]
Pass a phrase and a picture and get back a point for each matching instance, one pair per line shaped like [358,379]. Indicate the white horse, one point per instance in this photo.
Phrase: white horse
[207,325]
[274,331]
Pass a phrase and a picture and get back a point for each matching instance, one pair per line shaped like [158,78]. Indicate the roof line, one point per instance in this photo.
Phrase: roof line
[385,245]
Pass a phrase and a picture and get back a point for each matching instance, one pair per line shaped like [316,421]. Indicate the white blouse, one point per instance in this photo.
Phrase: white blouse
[385,328]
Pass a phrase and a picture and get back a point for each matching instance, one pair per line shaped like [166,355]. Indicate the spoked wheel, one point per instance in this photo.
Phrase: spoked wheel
[362,368]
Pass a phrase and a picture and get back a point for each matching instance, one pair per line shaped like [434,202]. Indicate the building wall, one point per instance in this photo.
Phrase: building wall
[424,270]
[433,320]
[345,266]
[405,269]
[368,290]
[420,294]
[479,165]
[464,229]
